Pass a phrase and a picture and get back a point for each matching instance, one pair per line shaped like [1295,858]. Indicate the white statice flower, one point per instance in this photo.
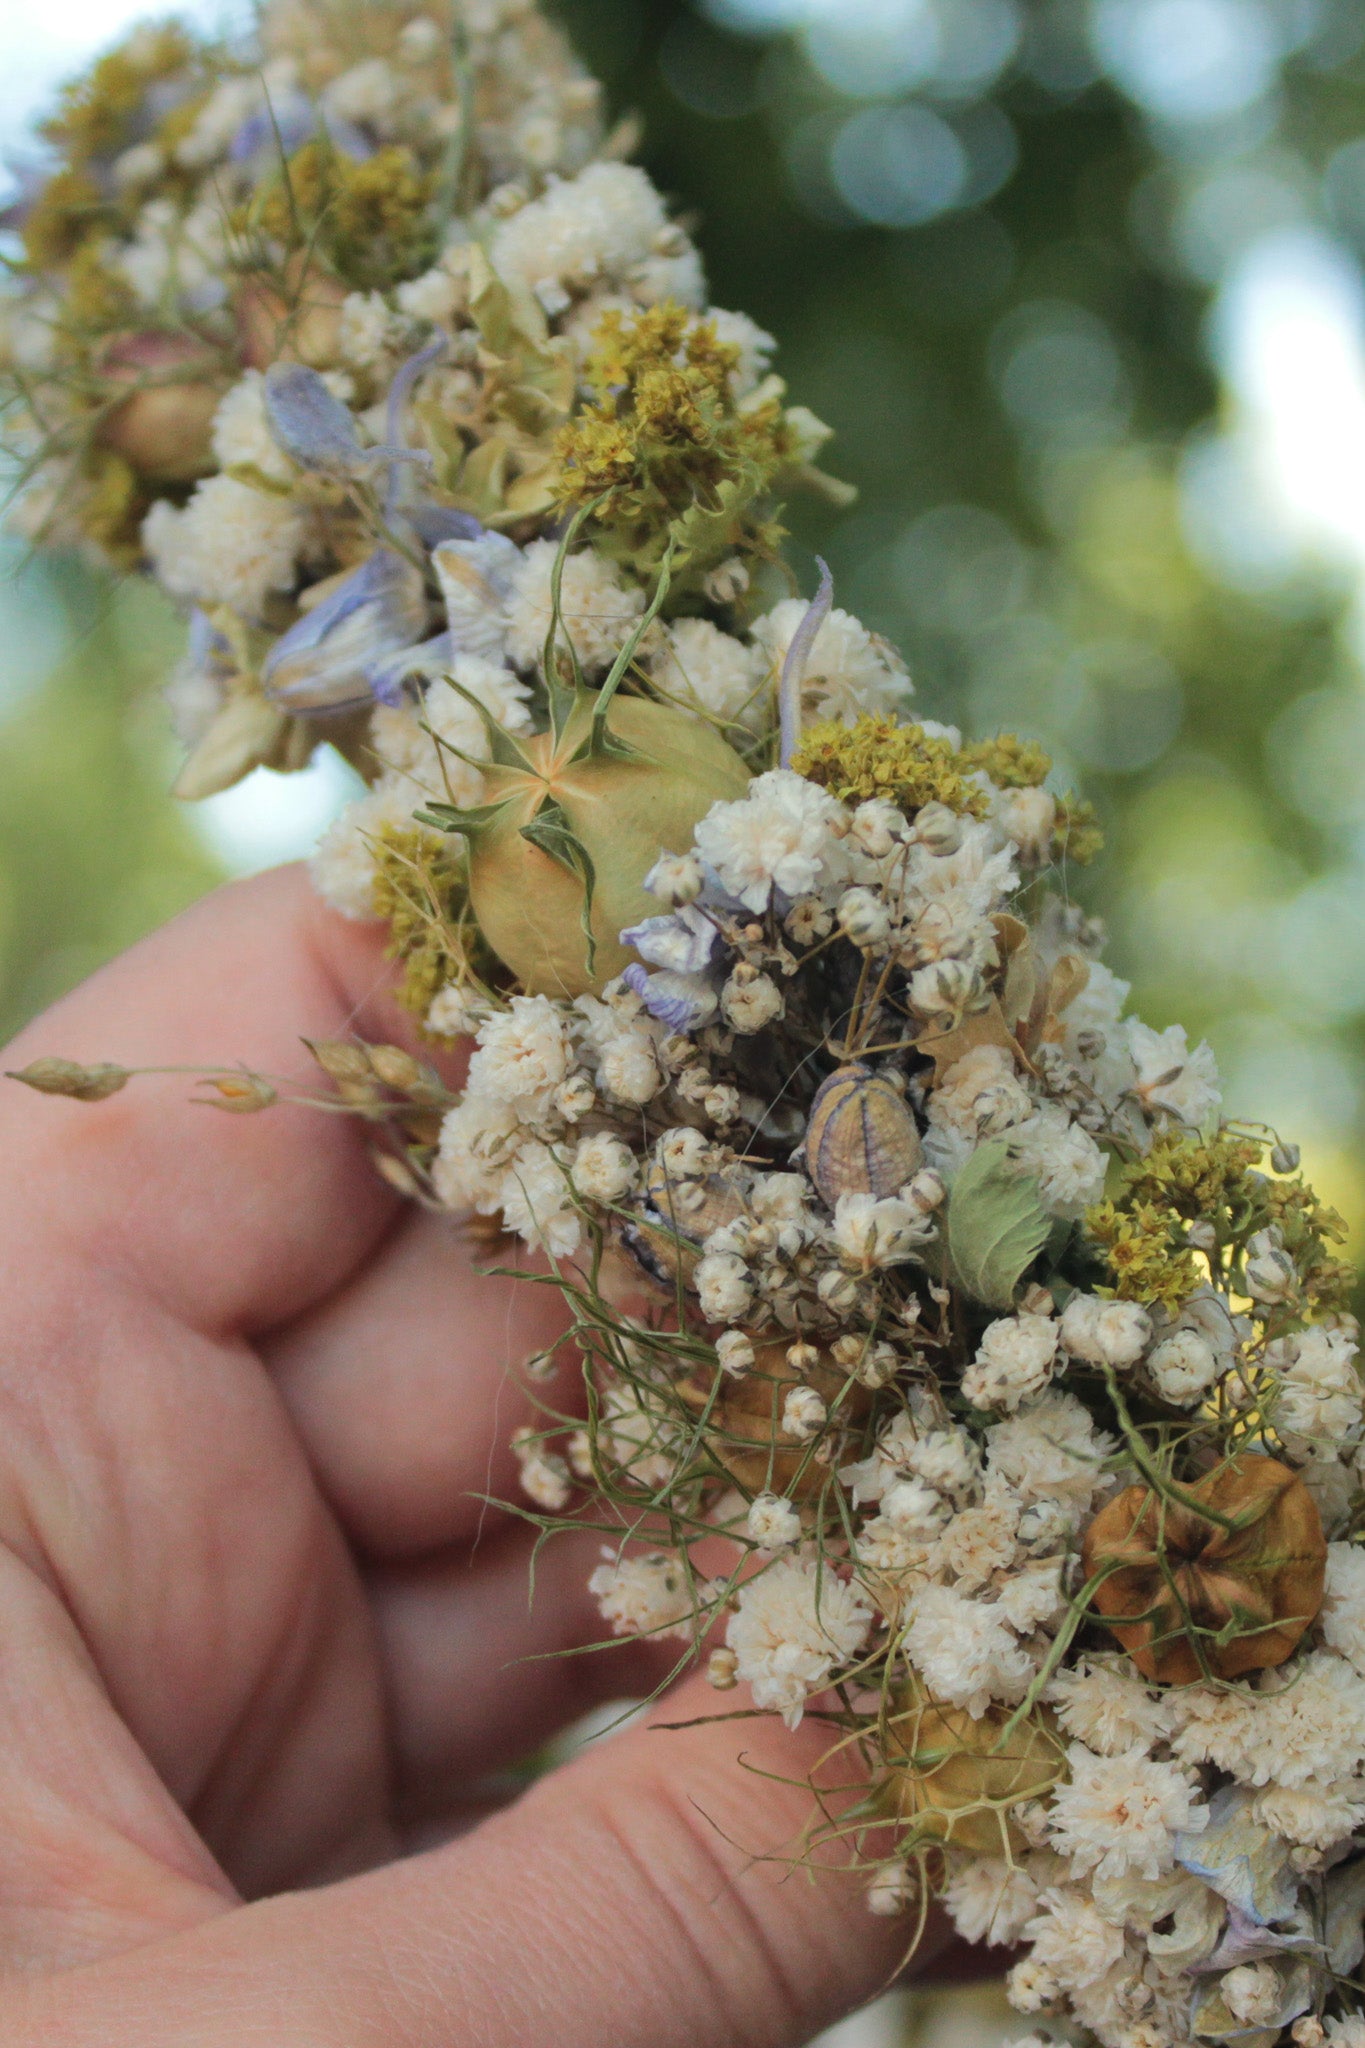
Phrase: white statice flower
[711,673]
[534,1197]
[1312,1815]
[523,1054]
[772,1522]
[1319,1396]
[796,1624]
[1071,1940]
[725,1287]
[1103,1332]
[870,1231]
[1170,1079]
[1064,1160]
[965,1651]
[598,607]
[848,670]
[1113,1814]
[646,1595]
[604,1167]
[601,227]
[231,544]
[1014,1362]
[1104,1704]
[780,835]
[343,862]
[1343,1609]
[1051,1450]
[990,1900]
[241,431]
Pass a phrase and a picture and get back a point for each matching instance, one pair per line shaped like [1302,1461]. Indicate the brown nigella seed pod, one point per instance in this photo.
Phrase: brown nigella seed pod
[862,1137]
[1242,1588]
[676,1218]
[955,1779]
[744,1430]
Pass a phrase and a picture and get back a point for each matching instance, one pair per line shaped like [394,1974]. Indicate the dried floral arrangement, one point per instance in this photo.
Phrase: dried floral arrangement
[951,1370]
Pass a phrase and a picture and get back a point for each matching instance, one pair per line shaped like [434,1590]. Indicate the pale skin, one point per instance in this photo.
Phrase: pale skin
[263,1646]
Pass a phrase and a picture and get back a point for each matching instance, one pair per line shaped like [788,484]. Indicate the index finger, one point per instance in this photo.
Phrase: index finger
[233,1223]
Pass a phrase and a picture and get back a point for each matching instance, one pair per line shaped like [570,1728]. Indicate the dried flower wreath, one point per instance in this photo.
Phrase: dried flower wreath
[953,1372]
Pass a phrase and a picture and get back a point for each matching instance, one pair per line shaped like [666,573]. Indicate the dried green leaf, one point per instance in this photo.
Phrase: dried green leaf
[996,1225]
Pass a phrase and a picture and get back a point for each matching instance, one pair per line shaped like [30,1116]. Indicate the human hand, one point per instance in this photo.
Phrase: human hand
[259,1635]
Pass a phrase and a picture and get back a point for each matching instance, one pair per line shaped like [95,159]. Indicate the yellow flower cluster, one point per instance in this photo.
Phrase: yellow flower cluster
[665,449]
[369,219]
[879,757]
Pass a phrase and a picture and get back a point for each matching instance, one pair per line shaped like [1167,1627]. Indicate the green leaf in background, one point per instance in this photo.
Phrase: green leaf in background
[996,1225]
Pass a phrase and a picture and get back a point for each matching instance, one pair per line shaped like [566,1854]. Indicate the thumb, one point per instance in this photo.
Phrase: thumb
[618,1902]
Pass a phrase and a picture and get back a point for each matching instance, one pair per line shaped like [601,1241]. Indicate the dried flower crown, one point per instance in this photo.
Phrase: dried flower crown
[937,1335]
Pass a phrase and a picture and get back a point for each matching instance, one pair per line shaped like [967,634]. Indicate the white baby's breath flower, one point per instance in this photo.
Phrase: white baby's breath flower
[804,1414]
[1105,1332]
[1052,1451]
[232,545]
[1014,1362]
[544,1475]
[724,1287]
[1114,1814]
[871,1232]
[1343,1612]
[627,1070]
[989,1900]
[534,1198]
[644,1595]
[598,607]
[600,227]
[735,1353]
[604,1167]
[343,864]
[1105,1705]
[710,672]
[796,1624]
[241,431]
[848,671]
[1318,1399]
[456,1011]
[1170,1079]
[1071,1940]
[965,1652]
[772,1522]
[523,1054]
[779,835]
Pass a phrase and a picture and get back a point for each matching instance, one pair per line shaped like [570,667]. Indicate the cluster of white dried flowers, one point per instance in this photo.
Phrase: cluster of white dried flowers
[951,1374]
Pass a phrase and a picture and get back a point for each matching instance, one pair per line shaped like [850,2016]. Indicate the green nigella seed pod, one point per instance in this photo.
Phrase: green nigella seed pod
[573,820]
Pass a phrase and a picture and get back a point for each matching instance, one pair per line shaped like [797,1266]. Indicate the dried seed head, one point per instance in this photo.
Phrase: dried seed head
[862,1137]
[722,1667]
[398,1069]
[1185,1592]
[68,1077]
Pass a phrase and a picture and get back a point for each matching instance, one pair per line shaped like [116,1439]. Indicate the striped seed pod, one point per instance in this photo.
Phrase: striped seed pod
[861,1137]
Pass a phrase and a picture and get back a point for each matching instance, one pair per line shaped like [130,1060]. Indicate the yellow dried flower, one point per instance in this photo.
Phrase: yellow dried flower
[665,448]
[1145,1252]
[368,219]
[96,113]
[1076,836]
[879,757]
[65,211]
[1010,762]
[419,892]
